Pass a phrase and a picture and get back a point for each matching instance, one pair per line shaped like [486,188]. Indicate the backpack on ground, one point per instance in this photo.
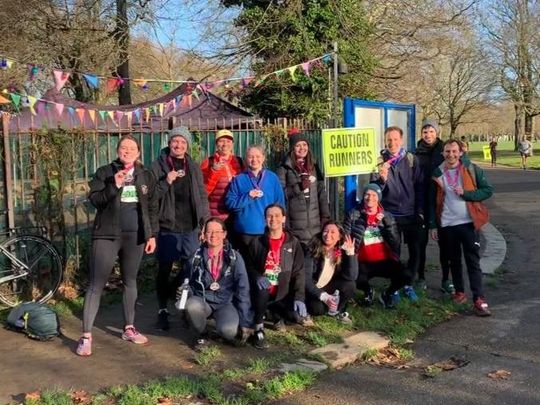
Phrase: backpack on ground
[36,320]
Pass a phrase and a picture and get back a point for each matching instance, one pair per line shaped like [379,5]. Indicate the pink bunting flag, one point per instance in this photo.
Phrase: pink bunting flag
[306,66]
[59,109]
[118,115]
[60,79]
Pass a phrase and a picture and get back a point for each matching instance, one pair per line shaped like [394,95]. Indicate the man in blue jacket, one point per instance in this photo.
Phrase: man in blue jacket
[401,180]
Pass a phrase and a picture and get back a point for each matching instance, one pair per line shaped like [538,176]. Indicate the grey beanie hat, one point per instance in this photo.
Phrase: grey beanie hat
[373,187]
[431,123]
[180,131]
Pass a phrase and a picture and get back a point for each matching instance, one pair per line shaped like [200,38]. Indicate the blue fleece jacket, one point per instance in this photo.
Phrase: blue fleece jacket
[249,212]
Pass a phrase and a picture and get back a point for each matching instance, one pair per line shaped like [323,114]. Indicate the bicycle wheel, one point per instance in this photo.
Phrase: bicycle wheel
[44,270]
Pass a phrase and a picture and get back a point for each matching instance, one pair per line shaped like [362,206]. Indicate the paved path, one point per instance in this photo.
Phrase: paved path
[509,340]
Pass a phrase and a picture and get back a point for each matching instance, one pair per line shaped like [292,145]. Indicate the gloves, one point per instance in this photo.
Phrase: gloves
[300,308]
[263,283]
[329,300]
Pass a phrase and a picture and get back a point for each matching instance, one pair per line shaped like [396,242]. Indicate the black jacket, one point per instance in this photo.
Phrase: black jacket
[105,196]
[429,157]
[346,270]
[304,216]
[165,192]
[292,277]
[355,224]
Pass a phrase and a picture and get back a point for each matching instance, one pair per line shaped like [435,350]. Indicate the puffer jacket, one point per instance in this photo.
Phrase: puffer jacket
[305,216]
[233,282]
[428,158]
[217,184]
[105,196]
[356,222]
[475,188]
[165,192]
[292,276]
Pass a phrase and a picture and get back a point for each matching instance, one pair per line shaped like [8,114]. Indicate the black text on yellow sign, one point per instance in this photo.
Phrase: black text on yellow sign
[348,151]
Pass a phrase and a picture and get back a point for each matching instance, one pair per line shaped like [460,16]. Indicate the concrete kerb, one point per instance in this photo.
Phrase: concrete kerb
[494,251]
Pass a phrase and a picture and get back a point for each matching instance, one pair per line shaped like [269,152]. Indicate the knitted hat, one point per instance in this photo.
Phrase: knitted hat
[180,131]
[431,123]
[373,187]
[295,136]
[224,133]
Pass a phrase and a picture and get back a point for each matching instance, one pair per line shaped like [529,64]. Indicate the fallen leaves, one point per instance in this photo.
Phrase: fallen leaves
[81,397]
[32,396]
[499,375]
[388,356]
[446,365]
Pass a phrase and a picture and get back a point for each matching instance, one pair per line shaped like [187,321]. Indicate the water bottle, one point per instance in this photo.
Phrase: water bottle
[181,301]
[336,299]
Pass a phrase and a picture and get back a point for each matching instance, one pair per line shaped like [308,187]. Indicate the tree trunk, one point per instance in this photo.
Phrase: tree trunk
[518,121]
[122,36]
[529,125]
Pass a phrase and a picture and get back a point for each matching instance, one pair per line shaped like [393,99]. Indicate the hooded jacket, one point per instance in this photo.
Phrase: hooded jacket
[233,282]
[165,192]
[475,185]
[428,157]
[304,215]
[292,276]
[105,196]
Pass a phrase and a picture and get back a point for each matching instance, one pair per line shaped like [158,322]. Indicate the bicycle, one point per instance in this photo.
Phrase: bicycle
[30,267]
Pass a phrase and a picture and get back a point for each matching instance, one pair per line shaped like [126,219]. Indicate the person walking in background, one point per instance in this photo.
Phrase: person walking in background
[183,208]
[429,154]
[275,266]
[249,194]
[456,216]
[332,266]
[219,285]
[401,180]
[305,193]
[218,171]
[123,193]
[525,150]
[493,151]
[377,243]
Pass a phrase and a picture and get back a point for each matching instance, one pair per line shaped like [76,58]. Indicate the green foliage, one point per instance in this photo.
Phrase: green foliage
[283,34]
[289,382]
[207,355]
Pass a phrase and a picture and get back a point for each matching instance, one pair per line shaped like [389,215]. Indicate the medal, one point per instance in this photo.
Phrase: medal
[181,173]
[214,286]
[260,193]
[277,269]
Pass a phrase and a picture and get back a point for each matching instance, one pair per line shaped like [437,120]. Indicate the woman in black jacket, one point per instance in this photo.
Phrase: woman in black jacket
[305,193]
[333,267]
[124,227]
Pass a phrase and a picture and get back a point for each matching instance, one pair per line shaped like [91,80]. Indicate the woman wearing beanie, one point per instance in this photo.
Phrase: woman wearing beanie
[376,238]
[303,185]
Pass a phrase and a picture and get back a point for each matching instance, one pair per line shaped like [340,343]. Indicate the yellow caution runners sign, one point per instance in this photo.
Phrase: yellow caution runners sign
[487,152]
[348,151]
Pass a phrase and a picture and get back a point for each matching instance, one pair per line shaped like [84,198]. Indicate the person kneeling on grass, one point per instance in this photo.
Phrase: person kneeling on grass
[332,267]
[275,266]
[220,287]
[376,238]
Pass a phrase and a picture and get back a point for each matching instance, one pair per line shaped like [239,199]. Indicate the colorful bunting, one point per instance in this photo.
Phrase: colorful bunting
[92,114]
[91,80]
[60,78]
[59,109]
[103,115]
[4,100]
[80,112]
[16,99]
[31,102]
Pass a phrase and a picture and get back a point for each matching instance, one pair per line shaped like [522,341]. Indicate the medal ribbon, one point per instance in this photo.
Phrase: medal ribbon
[215,264]
[276,253]
[260,178]
[452,182]
[170,163]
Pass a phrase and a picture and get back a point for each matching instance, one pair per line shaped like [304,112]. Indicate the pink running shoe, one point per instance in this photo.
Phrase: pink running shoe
[84,348]
[132,335]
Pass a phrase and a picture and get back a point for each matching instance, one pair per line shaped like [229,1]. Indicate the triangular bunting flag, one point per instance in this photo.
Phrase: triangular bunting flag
[103,115]
[112,84]
[60,79]
[139,82]
[129,115]
[111,115]
[59,109]
[138,114]
[118,115]
[195,93]
[292,71]
[146,114]
[160,109]
[306,66]
[280,72]
[16,99]
[71,110]
[327,58]
[9,63]
[33,71]
[80,113]
[91,80]
[31,102]
[41,107]
[92,114]
[4,100]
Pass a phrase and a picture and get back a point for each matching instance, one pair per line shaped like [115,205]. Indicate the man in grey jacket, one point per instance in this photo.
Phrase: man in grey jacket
[183,208]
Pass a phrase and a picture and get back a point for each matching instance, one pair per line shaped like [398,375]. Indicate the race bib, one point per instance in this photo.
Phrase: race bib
[372,236]
[129,195]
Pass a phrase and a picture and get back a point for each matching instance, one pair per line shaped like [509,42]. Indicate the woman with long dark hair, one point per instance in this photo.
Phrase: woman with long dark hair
[124,228]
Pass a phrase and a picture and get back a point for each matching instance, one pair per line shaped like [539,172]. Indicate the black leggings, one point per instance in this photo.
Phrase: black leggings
[282,309]
[102,259]
[392,269]
[346,290]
